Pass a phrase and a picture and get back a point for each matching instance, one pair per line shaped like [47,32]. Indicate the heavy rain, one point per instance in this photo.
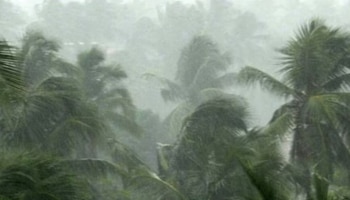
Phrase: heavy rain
[174,100]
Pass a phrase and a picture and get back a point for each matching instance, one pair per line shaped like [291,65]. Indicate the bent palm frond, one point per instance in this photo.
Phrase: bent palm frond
[11,74]
[250,76]
[172,91]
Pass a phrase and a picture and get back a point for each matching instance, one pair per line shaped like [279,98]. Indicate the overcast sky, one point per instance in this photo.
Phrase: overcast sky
[282,17]
[244,4]
[28,4]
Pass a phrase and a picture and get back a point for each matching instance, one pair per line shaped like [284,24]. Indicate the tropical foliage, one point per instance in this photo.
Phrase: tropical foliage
[315,81]
[217,157]
[67,128]
[33,176]
[199,77]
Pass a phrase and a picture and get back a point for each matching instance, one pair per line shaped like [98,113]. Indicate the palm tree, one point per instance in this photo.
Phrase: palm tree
[315,66]
[216,156]
[57,113]
[199,78]
[38,59]
[199,67]
[54,116]
[52,113]
[131,178]
[103,86]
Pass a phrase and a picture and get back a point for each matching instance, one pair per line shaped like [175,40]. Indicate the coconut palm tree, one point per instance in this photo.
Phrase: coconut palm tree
[103,86]
[39,59]
[54,117]
[199,67]
[315,78]
[52,113]
[199,77]
[216,156]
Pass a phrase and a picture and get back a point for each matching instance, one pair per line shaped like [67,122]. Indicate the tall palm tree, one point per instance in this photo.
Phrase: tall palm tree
[54,116]
[216,156]
[200,66]
[52,113]
[38,59]
[199,77]
[103,86]
[315,80]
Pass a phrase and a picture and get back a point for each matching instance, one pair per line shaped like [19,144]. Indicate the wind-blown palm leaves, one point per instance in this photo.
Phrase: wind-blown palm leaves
[315,79]
[11,82]
[33,176]
[103,86]
[198,68]
[52,113]
[131,178]
[11,76]
[199,77]
[55,117]
[39,60]
[216,156]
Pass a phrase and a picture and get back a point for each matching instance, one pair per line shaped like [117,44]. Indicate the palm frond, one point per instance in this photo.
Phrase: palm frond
[337,83]
[282,121]
[208,94]
[123,122]
[317,55]
[55,117]
[94,167]
[34,175]
[125,157]
[263,183]
[327,107]
[230,112]
[281,125]
[146,184]
[228,79]
[249,76]
[11,74]
[208,72]
[115,72]
[172,91]
[193,57]
[174,120]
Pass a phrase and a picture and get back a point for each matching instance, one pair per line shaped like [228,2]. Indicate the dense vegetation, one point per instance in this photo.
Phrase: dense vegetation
[69,127]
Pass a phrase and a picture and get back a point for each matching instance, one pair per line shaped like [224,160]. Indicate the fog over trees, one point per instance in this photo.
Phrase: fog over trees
[174,100]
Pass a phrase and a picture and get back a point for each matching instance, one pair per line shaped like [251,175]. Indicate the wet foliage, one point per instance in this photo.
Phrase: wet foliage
[74,121]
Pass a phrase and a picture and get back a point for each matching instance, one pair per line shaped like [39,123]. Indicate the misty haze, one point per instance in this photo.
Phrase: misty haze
[174,100]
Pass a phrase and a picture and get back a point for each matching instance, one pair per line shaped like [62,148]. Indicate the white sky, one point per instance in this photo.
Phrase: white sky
[28,4]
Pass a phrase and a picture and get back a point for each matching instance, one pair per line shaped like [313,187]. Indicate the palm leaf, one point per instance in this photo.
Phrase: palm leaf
[250,75]
[338,82]
[208,71]
[10,73]
[228,79]
[95,167]
[263,185]
[172,91]
[199,51]
[281,125]
[146,184]
[115,72]
[33,175]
